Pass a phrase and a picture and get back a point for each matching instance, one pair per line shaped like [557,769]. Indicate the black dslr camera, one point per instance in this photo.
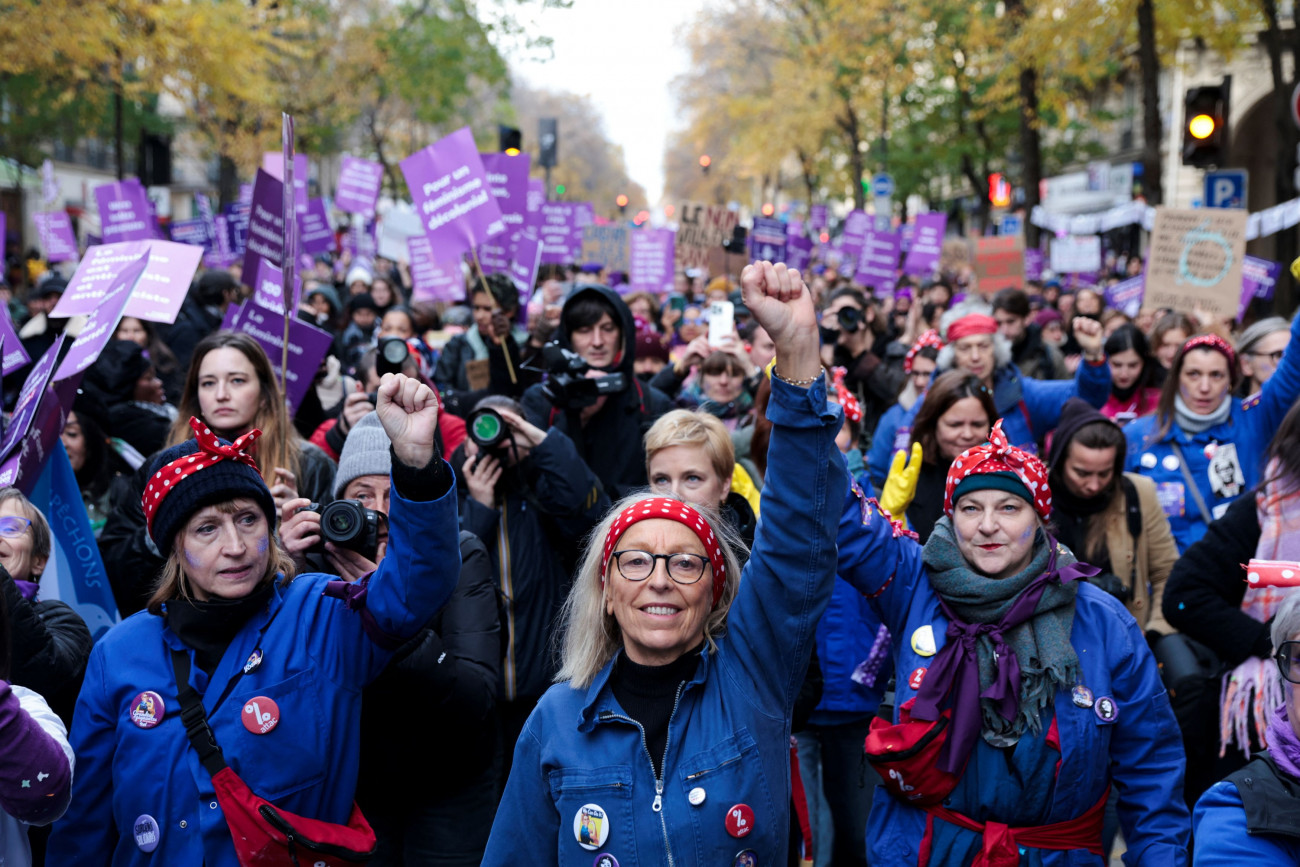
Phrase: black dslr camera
[348,524]
[567,387]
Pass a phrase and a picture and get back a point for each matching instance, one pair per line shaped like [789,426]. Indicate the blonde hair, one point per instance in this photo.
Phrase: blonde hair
[684,427]
[173,583]
[589,637]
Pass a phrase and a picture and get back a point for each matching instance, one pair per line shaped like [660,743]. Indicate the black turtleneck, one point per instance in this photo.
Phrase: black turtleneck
[648,692]
[1072,514]
[209,627]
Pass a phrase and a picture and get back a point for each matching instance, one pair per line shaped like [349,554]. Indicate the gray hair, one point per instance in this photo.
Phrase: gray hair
[1257,332]
[588,637]
[1286,622]
[947,355]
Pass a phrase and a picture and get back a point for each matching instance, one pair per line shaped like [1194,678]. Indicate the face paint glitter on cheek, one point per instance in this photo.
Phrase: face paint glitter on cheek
[263,544]
[191,559]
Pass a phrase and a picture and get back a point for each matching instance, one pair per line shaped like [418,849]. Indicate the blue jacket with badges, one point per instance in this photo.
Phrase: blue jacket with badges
[1029,409]
[1137,749]
[729,733]
[1248,429]
[316,658]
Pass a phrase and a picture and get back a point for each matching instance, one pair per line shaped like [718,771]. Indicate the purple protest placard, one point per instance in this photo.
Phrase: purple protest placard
[265,223]
[794,227]
[307,347]
[798,252]
[536,198]
[273,164]
[11,348]
[1034,259]
[556,233]
[360,240]
[358,186]
[652,257]
[204,206]
[429,280]
[584,214]
[57,240]
[767,240]
[817,215]
[524,262]
[856,226]
[221,255]
[124,212]
[29,397]
[451,192]
[289,250]
[193,232]
[102,324]
[315,234]
[1258,280]
[1126,296]
[158,294]
[923,259]
[878,263]
[268,286]
[508,180]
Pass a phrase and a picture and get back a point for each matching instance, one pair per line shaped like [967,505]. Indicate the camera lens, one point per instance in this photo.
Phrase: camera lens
[341,522]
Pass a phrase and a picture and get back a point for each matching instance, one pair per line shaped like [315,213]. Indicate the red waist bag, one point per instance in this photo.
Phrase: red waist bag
[265,835]
[906,755]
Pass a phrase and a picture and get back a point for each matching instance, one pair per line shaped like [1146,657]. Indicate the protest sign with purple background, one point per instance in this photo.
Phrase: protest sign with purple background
[55,231]
[1258,280]
[358,187]
[856,225]
[14,355]
[268,286]
[29,397]
[158,294]
[524,262]
[273,164]
[193,232]
[124,212]
[878,262]
[1034,259]
[221,255]
[652,260]
[798,252]
[1126,296]
[555,230]
[767,240]
[102,324]
[508,180]
[265,223]
[315,234]
[430,281]
[307,347]
[817,215]
[923,259]
[794,227]
[450,189]
[584,214]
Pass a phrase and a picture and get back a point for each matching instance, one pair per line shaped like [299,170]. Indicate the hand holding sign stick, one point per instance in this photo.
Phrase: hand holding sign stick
[501,338]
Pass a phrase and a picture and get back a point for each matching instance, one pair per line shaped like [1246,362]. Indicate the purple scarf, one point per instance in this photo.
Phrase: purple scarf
[1283,743]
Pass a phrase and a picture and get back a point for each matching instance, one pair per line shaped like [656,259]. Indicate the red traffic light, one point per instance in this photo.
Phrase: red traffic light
[705,161]
[999,191]
[768,209]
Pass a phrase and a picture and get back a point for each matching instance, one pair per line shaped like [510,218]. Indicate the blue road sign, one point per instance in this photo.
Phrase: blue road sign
[1226,188]
[1012,224]
[882,185]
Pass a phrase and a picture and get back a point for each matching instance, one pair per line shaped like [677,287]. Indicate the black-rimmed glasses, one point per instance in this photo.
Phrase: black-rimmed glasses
[1287,657]
[1275,357]
[682,567]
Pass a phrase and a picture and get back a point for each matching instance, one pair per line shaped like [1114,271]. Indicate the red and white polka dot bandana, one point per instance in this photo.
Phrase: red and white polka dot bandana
[999,456]
[929,338]
[844,397]
[666,508]
[211,451]
[1211,341]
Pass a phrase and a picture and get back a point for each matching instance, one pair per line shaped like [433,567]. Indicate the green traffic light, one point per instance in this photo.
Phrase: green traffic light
[559,189]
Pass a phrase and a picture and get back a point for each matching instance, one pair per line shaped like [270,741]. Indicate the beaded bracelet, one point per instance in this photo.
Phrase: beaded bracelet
[800,383]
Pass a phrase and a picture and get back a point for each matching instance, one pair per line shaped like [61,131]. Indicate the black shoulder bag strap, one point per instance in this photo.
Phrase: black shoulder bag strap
[1133,514]
[1191,485]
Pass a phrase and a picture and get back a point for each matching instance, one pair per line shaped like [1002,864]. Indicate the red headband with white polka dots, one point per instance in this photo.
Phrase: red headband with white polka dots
[666,508]
[999,456]
[211,451]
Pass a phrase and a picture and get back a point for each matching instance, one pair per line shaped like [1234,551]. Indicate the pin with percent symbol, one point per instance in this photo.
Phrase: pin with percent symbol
[261,715]
[740,820]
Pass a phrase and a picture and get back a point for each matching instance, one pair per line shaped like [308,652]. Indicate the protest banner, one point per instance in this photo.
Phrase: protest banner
[204,206]
[584,215]
[450,189]
[1258,280]
[315,234]
[102,324]
[524,263]
[50,187]
[651,260]
[29,397]
[798,252]
[193,232]
[1033,264]
[767,240]
[702,229]
[877,266]
[606,245]
[273,164]
[57,240]
[852,240]
[358,186]
[12,353]
[268,286]
[1076,254]
[555,230]
[927,245]
[1126,296]
[1195,260]
[430,281]
[288,217]
[124,212]
[308,346]
[159,293]
[265,223]
[817,217]
[999,264]
[508,180]
[222,254]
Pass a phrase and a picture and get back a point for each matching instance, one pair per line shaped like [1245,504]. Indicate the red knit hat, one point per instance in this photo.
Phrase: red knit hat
[999,458]
[972,323]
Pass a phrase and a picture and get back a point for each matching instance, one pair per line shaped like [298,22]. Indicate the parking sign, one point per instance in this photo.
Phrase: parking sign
[1226,188]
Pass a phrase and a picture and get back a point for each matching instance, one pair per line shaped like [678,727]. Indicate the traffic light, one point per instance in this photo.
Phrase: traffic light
[669,210]
[511,139]
[548,141]
[999,191]
[768,210]
[621,201]
[559,189]
[1205,125]
[705,162]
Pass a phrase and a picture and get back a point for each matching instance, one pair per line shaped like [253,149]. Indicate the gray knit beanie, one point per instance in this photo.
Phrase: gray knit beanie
[365,453]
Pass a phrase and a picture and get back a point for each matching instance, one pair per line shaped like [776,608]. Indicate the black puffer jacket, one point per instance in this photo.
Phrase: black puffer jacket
[51,644]
[612,440]
[452,375]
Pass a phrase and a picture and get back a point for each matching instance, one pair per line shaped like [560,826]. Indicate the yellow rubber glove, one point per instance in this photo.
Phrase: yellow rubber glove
[900,486]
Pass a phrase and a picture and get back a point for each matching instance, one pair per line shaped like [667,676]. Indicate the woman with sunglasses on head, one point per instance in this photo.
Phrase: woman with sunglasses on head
[1251,817]
[667,737]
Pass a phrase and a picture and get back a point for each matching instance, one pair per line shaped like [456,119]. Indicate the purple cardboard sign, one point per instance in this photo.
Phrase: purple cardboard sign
[451,192]
[794,227]
[652,257]
[878,263]
[11,348]
[273,164]
[817,217]
[158,294]
[583,216]
[237,218]
[57,240]
[1126,296]
[289,250]
[124,212]
[204,206]
[315,234]
[524,262]
[798,252]
[1034,259]
[508,180]
[102,324]
[556,233]
[536,198]
[268,286]
[429,280]
[358,186]
[193,232]
[265,223]
[307,347]
[923,259]
[29,397]
[856,226]
[1258,280]
[767,240]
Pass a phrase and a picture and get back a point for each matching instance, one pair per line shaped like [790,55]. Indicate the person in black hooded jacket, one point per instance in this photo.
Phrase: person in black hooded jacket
[607,430]
[127,382]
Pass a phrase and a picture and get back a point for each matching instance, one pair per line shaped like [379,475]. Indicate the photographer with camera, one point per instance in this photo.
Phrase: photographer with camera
[475,364]
[850,340]
[430,716]
[528,495]
[590,392]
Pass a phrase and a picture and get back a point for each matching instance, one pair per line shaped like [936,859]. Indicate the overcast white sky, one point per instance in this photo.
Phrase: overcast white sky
[623,54]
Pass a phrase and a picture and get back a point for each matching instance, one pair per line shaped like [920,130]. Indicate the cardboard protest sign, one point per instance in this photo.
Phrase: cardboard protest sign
[606,245]
[159,293]
[999,264]
[12,353]
[651,260]
[193,232]
[57,240]
[555,229]
[767,240]
[289,249]
[927,244]
[1258,280]
[28,398]
[124,212]
[358,186]
[268,286]
[1195,259]
[1126,296]
[315,234]
[524,263]
[102,324]
[400,223]
[31,451]
[450,188]
[430,280]
[273,163]
[1076,254]
[265,223]
[308,346]
[508,180]
[878,264]
[702,229]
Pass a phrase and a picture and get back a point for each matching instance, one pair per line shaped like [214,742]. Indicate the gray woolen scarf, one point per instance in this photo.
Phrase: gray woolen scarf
[1042,643]
[1194,423]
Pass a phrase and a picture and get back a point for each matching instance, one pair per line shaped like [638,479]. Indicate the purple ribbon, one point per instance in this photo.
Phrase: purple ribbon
[955,668]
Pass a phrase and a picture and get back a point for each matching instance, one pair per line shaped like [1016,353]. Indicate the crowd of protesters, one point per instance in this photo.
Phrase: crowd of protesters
[948,576]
